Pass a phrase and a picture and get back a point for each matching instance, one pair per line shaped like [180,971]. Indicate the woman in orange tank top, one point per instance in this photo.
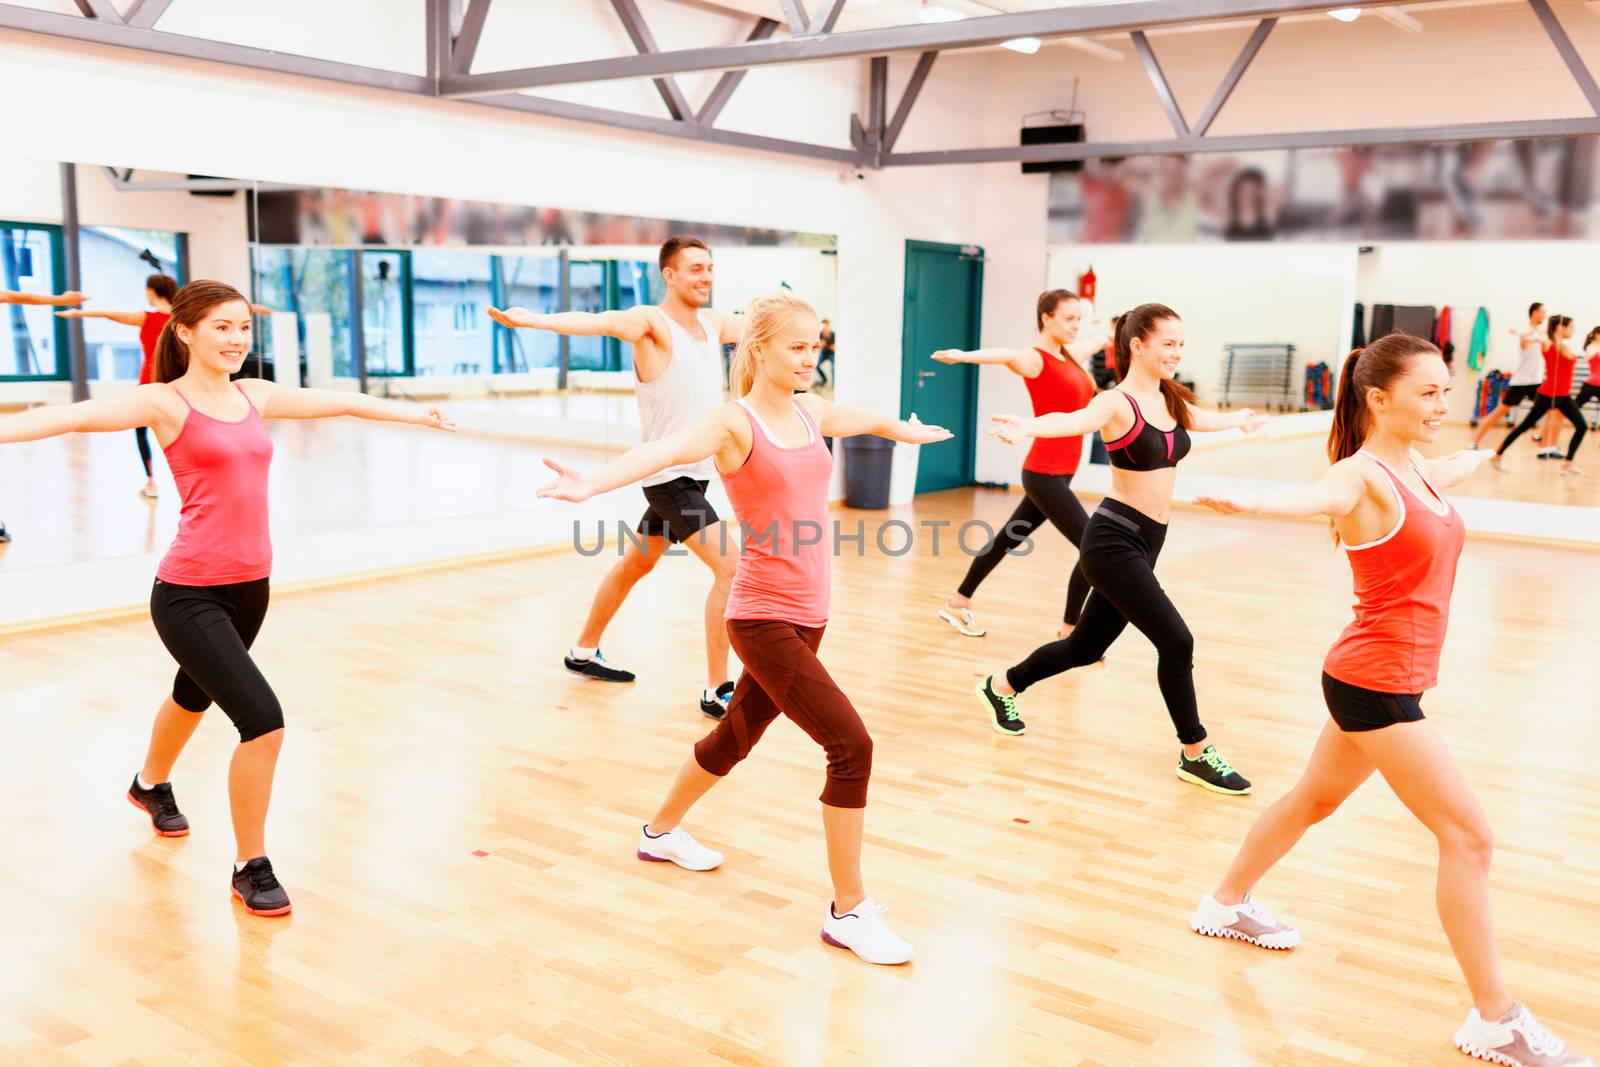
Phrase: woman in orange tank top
[771,457]
[1403,540]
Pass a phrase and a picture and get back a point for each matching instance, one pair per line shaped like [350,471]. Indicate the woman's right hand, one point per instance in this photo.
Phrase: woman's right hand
[513,317]
[1012,429]
[1229,503]
[949,355]
[570,485]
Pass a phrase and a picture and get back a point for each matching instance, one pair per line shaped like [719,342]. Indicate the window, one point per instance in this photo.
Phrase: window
[533,283]
[468,319]
[116,262]
[33,341]
[314,284]
[385,296]
[460,286]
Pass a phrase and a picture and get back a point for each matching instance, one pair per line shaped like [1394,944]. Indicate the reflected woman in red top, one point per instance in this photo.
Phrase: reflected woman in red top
[1403,540]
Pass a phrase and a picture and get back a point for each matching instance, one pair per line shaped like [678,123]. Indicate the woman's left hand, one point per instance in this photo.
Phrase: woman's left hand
[437,419]
[1252,421]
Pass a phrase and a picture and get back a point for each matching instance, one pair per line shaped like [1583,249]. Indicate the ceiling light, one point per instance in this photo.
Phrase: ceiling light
[1026,45]
[1345,14]
[931,13]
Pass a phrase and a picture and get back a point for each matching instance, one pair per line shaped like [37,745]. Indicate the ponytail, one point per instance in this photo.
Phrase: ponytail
[190,305]
[1139,324]
[1349,413]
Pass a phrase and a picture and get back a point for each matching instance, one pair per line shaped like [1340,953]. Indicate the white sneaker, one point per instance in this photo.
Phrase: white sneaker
[149,492]
[1246,921]
[864,932]
[1518,1041]
[963,620]
[676,846]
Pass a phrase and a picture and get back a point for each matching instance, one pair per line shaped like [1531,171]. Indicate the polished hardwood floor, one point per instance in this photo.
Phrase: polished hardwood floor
[455,817]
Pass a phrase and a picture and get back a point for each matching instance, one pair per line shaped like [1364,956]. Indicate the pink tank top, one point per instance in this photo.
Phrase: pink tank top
[221,471]
[1403,582]
[781,498]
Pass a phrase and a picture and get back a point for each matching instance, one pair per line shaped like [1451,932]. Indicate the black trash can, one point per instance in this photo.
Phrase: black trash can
[868,462]
[1097,451]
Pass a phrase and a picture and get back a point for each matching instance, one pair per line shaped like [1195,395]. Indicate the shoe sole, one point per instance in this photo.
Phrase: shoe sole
[598,678]
[989,710]
[666,859]
[265,913]
[1223,932]
[955,624]
[1487,1055]
[159,831]
[714,715]
[1185,776]
[828,939]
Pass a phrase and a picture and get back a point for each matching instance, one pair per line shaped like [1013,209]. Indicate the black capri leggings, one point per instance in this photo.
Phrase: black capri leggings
[1047,497]
[141,436]
[209,630]
[1542,404]
[1118,555]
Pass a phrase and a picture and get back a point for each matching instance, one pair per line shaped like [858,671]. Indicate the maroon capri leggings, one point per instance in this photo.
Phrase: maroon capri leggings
[783,675]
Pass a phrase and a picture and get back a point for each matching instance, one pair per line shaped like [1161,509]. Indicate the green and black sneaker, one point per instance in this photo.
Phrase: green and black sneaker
[1002,709]
[1212,772]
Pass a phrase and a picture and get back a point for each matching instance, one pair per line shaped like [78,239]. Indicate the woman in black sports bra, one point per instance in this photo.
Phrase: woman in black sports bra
[1124,536]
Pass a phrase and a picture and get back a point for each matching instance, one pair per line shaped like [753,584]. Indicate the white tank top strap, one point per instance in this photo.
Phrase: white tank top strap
[1401,488]
[811,428]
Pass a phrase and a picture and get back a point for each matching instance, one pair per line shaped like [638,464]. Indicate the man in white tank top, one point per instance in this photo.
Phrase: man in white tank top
[1526,378]
[678,371]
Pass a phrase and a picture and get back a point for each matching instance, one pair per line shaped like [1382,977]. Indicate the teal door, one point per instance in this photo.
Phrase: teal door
[944,286]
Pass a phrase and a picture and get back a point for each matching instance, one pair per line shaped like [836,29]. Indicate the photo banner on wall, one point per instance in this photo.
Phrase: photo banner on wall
[348,218]
[1479,190]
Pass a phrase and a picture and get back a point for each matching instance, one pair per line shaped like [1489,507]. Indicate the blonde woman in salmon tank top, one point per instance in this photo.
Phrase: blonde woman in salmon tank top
[211,590]
[769,452]
[1403,540]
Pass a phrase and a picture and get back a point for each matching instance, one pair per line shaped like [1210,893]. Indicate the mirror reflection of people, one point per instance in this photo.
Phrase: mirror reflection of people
[1248,207]
[1527,376]
[1555,393]
[827,351]
[59,300]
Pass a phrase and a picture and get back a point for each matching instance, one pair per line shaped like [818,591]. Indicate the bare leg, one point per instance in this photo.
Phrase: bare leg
[636,562]
[1336,770]
[173,727]
[721,554]
[692,783]
[1413,759]
[250,791]
[1488,423]
[843,828]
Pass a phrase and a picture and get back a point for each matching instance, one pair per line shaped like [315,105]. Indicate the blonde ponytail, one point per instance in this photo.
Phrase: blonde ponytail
[764,318]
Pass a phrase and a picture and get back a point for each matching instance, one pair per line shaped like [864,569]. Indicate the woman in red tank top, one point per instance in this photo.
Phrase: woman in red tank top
[1057,381]
[1403,540]
[1554,395]
[211,590]
[771,457]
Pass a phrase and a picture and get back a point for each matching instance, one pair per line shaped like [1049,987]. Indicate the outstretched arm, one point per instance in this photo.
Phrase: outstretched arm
[127,318]
[1013,429]
[1243,419]
[1454,469]
[1336,495]
[836,420]
[1023,361]
[630,325]
[730,329]
[59,300]
[277,402]
[125,411]
[705,438]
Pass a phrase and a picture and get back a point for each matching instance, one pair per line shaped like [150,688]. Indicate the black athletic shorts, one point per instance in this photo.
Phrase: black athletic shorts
[1516,394]
[678,510]
[1354,708]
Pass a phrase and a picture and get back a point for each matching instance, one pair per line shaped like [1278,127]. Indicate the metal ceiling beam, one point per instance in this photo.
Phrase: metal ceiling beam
[919,76]
[465,46]
[877,107]
[123,182]
[722,92]
[1472,131]
[1231,80]
[145,13]
[99,9]
[1158,80]
[1569,54]
[795,12]
[826,19]
[644,43]
[1123,17]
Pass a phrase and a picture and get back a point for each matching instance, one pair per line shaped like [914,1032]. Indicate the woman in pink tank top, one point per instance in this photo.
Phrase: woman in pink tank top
[770,453]
[1403,540]
[211,590]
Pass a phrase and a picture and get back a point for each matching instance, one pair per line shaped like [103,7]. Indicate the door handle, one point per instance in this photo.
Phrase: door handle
[926,373]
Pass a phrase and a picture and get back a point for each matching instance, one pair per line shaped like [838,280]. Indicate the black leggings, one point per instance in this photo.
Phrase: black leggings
[1047,496]
[1118,555]
[141,435]
[1542,404]
[209,630]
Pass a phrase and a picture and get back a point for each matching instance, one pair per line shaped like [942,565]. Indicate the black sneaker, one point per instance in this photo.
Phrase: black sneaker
[5,535]
[597,667]
[1212,772]
[1002,709]
[162,807]
[259,890]
[716,709]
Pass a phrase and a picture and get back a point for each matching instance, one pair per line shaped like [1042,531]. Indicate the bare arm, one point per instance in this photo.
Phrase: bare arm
[1336,495]
[59,300]
[1453,469]
[836,420]
[127,318]
[730,329]
[277,402]
[1013,428]
[126,411]
[705,438]
[1205,419]
[1023,361]
[631,325]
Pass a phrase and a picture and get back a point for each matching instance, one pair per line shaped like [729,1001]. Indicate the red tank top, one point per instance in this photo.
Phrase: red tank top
[1557,373]
[781,498]
[221,471]
[1594,370]
[1403,582]
[1061,386]
[148,334]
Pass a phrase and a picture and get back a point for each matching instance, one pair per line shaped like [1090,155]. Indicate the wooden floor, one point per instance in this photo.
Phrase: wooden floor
[455,818]
[1527,478]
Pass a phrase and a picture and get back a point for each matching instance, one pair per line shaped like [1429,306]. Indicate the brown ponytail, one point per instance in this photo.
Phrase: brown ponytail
[1139,324]
[190,305]
[1373,367]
